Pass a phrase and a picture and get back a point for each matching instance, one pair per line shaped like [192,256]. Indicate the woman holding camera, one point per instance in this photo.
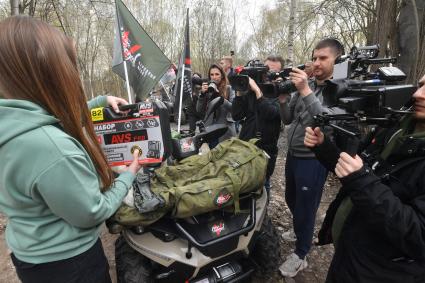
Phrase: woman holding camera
[218,86]
[55,184]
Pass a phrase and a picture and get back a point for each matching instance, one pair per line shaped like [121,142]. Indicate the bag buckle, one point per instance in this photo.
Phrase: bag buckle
[235,164]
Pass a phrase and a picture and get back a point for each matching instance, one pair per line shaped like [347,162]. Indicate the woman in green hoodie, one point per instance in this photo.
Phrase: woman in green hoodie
[55,185]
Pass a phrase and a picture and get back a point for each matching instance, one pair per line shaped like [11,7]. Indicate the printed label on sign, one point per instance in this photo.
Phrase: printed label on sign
[114,157]
[118,137]
[132,136]
[97,114]
[104,128]
[145,108]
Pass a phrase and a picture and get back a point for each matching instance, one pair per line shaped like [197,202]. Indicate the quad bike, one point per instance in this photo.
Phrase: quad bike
[218,246]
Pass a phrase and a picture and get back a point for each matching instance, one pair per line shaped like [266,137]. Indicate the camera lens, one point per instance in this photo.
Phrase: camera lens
[212,87]
[196,80]
[286,87]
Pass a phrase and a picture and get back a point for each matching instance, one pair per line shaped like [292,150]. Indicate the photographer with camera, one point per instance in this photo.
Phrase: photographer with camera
[305,175]
[260,117]
[192,115]
[218,86]
[377,220]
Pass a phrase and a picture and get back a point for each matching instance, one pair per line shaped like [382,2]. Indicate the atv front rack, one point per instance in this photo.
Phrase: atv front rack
[183,228]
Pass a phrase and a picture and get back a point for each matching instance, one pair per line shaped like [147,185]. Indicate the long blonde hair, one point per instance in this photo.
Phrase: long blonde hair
[39,64]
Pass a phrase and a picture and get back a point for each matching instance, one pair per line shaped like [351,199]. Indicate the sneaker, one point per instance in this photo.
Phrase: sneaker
[289,236]
[292,265]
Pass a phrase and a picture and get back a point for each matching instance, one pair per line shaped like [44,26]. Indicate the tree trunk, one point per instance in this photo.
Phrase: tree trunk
[14,7]
[385,29]
[291,32]
[411,31]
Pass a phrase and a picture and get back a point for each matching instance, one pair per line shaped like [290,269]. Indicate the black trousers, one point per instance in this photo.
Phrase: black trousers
[88,267]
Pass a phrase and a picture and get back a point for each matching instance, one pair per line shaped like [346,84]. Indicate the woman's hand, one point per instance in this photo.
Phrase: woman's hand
[204,87]
[314,137]
[347,165]
[115,102]
[134,167]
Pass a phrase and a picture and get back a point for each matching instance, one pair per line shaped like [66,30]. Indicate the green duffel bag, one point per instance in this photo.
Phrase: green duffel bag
[203,183]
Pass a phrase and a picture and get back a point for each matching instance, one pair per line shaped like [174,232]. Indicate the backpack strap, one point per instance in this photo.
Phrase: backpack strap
[235,179]
[236,183]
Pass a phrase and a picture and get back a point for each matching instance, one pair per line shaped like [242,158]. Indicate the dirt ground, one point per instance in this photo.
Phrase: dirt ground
[318,258]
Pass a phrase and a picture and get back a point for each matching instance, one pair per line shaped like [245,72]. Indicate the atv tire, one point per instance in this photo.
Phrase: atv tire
[266,249]
[131,266]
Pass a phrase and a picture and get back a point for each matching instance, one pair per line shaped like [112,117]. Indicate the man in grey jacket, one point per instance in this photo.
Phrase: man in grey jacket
[304,174]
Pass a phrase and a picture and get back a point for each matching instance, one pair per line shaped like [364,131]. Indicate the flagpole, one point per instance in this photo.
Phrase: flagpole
[127,83]
[166,92]
[181,95]
[130,101]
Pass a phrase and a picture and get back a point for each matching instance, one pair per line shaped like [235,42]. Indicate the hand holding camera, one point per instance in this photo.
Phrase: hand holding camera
[271,84]
[347,165]
[255,88]
[204,87]
[300,79]
[313,137]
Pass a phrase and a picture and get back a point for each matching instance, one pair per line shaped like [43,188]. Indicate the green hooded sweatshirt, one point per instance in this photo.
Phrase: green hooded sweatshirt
[49,188]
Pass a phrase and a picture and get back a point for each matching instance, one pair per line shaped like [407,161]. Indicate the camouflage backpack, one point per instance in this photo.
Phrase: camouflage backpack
[203,183]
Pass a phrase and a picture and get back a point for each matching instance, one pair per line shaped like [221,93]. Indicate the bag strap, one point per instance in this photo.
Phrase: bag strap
[254,152]
[236,183]
[217,154]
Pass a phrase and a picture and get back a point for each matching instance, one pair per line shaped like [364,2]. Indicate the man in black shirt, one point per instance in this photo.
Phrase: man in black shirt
[260,117]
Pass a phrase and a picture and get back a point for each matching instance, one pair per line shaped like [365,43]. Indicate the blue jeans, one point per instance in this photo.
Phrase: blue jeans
[304,186]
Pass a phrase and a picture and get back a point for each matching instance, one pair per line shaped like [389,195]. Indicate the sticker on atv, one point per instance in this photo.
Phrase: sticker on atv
[217,228]
[222,198]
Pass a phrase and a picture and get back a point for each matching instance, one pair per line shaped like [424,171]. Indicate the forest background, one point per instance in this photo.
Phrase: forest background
[252,29]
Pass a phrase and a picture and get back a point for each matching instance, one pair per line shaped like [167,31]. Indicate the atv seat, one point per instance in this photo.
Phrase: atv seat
[213,233]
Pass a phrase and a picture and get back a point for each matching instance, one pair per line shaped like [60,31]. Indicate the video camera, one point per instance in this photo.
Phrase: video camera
[371,98]
[198,81]
[264,78]
[212,85]
[358,90]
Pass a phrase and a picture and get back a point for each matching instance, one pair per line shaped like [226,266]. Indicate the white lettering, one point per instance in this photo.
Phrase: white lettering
[104,127]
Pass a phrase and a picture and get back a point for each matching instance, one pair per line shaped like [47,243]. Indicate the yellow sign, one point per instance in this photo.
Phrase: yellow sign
[97,114]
